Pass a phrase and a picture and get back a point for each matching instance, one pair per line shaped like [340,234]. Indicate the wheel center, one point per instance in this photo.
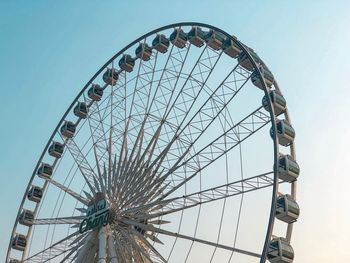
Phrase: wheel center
[97,214]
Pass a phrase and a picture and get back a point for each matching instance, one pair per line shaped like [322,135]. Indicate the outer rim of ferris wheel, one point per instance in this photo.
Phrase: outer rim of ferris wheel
[259,68]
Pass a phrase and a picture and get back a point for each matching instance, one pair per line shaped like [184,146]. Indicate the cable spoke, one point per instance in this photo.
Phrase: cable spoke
[98,133]
[151,228]
[180,203]
[205,242]
[211,152]
[82,163]
[135,119]
[55,250]
[200,82]
[186,137]
[211,109]
[152,253]
[168,89]
[190,91]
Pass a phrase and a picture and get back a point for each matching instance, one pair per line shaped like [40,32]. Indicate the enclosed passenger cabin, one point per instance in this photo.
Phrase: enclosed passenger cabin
[126,63]
[178,38]
[285,132]
[19,242]
[95,92]
[279,104]
[110,77]
[35,194]
[280,251]
[196,36]
[245,62]
[45,171]
[231,48]
[68,129]
[161,43]
[214,39]
[288,168]
[56,149]
[144,51]
[26,217]
[81,110]
[268,78]
[287,209]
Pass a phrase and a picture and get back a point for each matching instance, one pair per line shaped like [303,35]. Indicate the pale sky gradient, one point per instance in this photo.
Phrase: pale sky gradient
[49,50]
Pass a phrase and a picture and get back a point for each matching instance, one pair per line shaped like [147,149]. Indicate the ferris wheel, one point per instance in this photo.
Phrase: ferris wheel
[179,149]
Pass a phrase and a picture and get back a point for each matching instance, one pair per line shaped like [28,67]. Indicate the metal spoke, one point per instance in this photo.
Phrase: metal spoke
[77,196]
[89,244]
[154,101]
[211,152]
[200,83]
[211,109]
[98,134]
[141,92]
[205,242]
[182,236]
[197,125]
[84,166]
[189,92]
[54,250]
[59,220]
[180,203]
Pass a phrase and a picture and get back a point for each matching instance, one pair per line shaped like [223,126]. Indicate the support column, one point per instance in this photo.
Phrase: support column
[112,252]
[102,245]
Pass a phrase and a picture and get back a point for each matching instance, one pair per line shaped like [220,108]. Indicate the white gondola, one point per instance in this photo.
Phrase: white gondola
[81,110]
[56,149]
[279,104]
[287,209]
[244,60]
[26,217]
[126,63]
[110,77]
[280,251]
[19,242]
[285,132]
[214,39]
[35,194]
[68,129]
[178,38]
[230,48]
[196,36]
[144,52]
[268,78]
[95,92]
[288,168]
[45,171]
[161,43]
[12,260]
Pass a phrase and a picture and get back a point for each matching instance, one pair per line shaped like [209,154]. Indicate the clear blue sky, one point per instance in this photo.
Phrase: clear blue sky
[49,49]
